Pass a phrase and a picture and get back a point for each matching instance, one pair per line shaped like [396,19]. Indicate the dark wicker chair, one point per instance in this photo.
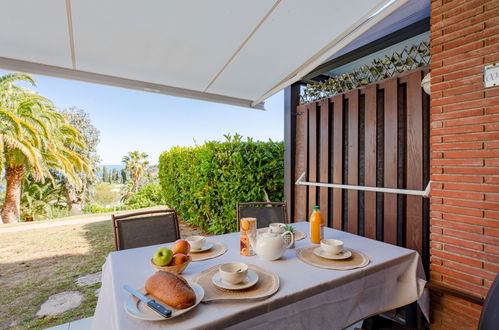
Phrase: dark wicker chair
[489,319]
[264,212]
[145,228]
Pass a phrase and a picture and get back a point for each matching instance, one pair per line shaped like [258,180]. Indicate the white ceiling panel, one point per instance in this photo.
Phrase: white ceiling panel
[177,43]
[294,33]
[35,31]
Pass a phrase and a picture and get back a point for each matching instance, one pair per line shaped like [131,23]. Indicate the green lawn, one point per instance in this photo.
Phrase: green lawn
[37,263]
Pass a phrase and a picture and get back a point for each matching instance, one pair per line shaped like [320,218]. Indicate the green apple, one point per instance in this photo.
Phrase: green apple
[163,256]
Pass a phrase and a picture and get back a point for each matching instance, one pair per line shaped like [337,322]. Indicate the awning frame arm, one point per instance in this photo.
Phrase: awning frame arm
[423,193]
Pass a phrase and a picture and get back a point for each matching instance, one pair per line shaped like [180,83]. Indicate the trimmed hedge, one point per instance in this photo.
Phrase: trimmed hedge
[204,183]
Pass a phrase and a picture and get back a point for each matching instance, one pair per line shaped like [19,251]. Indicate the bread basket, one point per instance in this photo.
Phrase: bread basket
[177,269]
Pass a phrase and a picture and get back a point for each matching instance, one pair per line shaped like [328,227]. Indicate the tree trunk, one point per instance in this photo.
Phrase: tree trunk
[135,184]
[11,206]
[75,199]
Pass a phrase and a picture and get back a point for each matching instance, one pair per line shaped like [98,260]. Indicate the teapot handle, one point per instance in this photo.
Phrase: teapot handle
[292,241]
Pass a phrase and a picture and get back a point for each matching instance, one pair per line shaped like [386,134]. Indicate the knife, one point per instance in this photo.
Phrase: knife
[160,309]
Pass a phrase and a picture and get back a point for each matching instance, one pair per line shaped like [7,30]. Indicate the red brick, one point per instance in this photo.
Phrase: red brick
[458,130]
[465,170]
[457,194]
[471,137]
[458,146]
[458,98]
[464,219]
[491,249]
[457,178]
[472,204]
[492,179]
[473,237]
[492,127]
[457,258]
[492,214]
[491,232]
[472,120]
[470,270]
[465,285]
[455,274]
[492,145]
[492,162]
[472,187]
[458,210]
[472,253]
[492,267]
[472,154]
[456,241]
[462,162]
[457,114]
[492,198]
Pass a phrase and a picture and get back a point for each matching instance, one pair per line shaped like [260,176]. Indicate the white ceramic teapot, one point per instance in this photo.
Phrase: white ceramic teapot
[271,246]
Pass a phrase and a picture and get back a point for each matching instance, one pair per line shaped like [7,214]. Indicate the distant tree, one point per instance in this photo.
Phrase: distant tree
[77,196]
[123,176]
[105,174]
[136,164]
[115,176]
[34,140]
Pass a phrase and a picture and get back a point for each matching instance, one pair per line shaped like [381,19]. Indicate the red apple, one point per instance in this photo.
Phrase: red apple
[181,246]
[179,259]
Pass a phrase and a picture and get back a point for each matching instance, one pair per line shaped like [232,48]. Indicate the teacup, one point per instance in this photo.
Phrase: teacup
[276,227]
[196,242]
[331,246]
[233,272]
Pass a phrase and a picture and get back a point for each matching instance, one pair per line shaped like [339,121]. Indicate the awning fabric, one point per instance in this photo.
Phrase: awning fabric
[230,51]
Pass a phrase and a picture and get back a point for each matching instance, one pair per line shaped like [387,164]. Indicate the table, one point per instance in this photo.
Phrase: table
[308,298]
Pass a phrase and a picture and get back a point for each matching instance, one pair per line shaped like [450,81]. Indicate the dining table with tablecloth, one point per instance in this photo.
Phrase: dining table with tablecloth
[308,297]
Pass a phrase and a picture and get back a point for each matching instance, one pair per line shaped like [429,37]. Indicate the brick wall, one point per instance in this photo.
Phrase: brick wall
[464,156]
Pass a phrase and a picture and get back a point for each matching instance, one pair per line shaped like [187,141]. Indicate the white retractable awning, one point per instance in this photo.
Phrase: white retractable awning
[237,52]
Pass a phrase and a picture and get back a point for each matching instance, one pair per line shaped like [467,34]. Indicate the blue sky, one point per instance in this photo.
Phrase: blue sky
[132,120]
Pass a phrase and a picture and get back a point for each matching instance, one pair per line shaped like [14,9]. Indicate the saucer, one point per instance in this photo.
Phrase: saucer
[206,247]
[251,280]
[344,254]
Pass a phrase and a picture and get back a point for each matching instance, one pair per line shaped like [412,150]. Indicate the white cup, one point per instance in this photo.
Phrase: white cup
[276,227]
[331,246]
[196,242]
[233,272]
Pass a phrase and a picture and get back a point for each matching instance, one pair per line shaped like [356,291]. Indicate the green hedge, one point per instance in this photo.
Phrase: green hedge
[205,182]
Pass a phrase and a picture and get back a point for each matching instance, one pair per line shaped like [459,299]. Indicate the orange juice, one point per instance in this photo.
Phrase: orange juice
[316,226]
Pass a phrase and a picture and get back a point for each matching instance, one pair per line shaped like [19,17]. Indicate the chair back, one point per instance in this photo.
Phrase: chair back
[145,228]
[264,212]
[489,319]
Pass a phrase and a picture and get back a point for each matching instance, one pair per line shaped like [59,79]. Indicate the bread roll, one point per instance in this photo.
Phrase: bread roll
[171,289]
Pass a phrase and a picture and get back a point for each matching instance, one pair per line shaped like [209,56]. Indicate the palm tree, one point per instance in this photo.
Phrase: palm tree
[34,140]
[136,163]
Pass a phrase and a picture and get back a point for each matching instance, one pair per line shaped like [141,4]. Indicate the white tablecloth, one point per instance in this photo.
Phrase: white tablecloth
[308,298]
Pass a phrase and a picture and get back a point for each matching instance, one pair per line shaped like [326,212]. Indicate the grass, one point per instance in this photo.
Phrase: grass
[37,263]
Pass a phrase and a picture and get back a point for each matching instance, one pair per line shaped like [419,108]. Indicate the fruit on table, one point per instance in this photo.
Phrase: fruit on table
[163,256]
[179,258]
[181,246]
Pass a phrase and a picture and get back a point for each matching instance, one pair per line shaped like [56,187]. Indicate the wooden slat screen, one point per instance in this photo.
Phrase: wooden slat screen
[372,136]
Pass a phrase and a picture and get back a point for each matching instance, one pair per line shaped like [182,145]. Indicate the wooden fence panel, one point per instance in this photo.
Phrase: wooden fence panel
[390,160]
[312,155]
[414,208]
[337,160]
[301,150]
[324,159]
[353,159]
[385,149]
[370,161]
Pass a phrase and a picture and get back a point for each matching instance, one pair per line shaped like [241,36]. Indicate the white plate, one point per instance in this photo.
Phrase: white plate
[345,254]
[206,247]
[251,280]
[136,308]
